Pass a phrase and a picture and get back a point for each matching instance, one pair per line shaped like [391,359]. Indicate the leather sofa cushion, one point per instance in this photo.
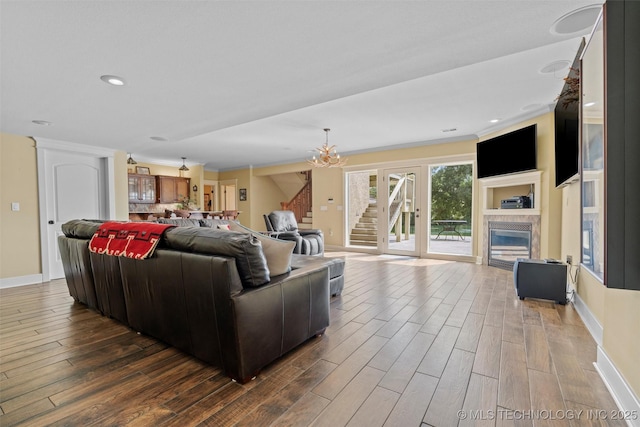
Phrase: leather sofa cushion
[283,221]
[245,248]
[80,228]
[277,252]
[180,222]
[212,222]
[336,265]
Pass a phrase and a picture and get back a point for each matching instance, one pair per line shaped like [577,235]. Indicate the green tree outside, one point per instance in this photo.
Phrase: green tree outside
[451,188]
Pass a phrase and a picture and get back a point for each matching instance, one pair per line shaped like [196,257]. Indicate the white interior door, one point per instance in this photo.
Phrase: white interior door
[75,187]
[228,195]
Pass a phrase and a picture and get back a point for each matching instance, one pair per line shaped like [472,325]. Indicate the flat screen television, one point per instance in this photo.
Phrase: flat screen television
[509,153]
[567,122]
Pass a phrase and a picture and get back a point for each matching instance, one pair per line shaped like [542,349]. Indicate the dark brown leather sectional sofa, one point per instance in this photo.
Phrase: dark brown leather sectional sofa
[192,294]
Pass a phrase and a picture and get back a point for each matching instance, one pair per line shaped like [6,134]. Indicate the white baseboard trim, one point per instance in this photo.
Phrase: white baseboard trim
[590,321]
[624,397]
[618,387]
[11,282]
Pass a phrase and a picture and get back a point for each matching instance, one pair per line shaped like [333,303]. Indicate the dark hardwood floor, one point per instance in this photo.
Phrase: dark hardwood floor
[412,342]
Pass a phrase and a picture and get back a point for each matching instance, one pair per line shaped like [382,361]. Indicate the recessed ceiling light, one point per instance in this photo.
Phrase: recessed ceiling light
[589,104]
[494,120]
[579,20]
[41,122]
[450,130]
[112,80]
[555,66]
[158,138]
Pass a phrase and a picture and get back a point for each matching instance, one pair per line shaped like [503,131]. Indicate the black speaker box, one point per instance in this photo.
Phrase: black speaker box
[544,279]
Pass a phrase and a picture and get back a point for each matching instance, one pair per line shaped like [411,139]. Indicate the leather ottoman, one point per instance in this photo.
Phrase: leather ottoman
[336,269]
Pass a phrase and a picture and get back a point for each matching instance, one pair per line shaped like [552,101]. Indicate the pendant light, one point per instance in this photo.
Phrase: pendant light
[183,168]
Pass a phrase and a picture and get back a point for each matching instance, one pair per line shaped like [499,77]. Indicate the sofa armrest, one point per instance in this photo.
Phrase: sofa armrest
[285,235]
[310,232]
[274,318]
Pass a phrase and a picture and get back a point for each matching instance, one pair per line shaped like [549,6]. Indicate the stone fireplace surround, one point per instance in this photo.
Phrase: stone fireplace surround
[495,188]
[534,220]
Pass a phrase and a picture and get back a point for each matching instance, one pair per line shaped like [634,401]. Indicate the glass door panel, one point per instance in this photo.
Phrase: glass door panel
[362,209]
[401,211]
[450,224]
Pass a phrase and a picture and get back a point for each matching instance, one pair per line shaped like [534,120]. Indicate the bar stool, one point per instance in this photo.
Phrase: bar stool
[230,215]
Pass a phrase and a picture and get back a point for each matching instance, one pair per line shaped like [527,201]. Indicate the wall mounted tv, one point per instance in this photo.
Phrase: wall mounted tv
[509,153]
[567,121]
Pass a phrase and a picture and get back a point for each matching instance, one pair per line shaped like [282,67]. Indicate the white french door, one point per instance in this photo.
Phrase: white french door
[400,220]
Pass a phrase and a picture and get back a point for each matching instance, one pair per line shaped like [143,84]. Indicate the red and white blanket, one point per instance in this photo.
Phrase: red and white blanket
[135,240]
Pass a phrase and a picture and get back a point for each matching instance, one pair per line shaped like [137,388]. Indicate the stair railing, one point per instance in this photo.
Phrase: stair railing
[300,204]
[396,202]
[401,200]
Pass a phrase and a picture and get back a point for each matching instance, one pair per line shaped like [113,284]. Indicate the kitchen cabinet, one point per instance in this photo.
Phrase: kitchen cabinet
[173,189]
[142,188]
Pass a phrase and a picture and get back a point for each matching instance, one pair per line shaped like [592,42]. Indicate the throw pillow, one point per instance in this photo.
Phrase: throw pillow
[277,252]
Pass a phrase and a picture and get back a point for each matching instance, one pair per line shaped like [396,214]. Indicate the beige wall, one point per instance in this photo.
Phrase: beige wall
[265,196]
[19,231]
[211,175]
[617,310]
[621,328]
[243,177]
[122,186]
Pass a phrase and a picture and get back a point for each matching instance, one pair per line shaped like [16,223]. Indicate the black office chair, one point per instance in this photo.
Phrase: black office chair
[283,225]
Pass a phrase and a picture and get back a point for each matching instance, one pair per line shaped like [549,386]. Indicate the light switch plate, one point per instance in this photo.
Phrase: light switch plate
[15,206]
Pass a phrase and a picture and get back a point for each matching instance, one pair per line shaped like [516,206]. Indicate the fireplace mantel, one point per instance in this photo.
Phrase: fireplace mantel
[511,185]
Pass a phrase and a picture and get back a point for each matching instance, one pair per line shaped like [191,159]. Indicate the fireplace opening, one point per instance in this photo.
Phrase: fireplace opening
[508,241]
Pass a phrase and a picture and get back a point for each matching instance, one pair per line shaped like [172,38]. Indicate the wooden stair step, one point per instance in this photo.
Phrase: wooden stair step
[363,237]
[364,231]
[363,242]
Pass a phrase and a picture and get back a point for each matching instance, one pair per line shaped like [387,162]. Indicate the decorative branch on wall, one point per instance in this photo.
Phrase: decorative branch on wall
[571,90]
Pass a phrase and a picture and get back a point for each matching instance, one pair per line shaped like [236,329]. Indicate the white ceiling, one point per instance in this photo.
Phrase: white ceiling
[236,83]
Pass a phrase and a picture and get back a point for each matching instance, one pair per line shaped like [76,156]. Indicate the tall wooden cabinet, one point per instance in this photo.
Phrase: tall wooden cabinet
[142,188]
[172,189]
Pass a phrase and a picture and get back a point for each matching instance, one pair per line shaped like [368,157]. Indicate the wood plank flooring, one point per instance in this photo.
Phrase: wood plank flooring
[412,342]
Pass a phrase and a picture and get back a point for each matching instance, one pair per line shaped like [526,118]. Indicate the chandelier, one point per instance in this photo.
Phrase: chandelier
[327,156]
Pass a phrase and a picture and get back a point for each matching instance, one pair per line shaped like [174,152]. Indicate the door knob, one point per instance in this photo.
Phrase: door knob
[51,222]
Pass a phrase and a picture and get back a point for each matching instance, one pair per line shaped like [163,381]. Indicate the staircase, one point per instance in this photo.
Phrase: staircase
[366,231]
[307,221]
[300,205]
